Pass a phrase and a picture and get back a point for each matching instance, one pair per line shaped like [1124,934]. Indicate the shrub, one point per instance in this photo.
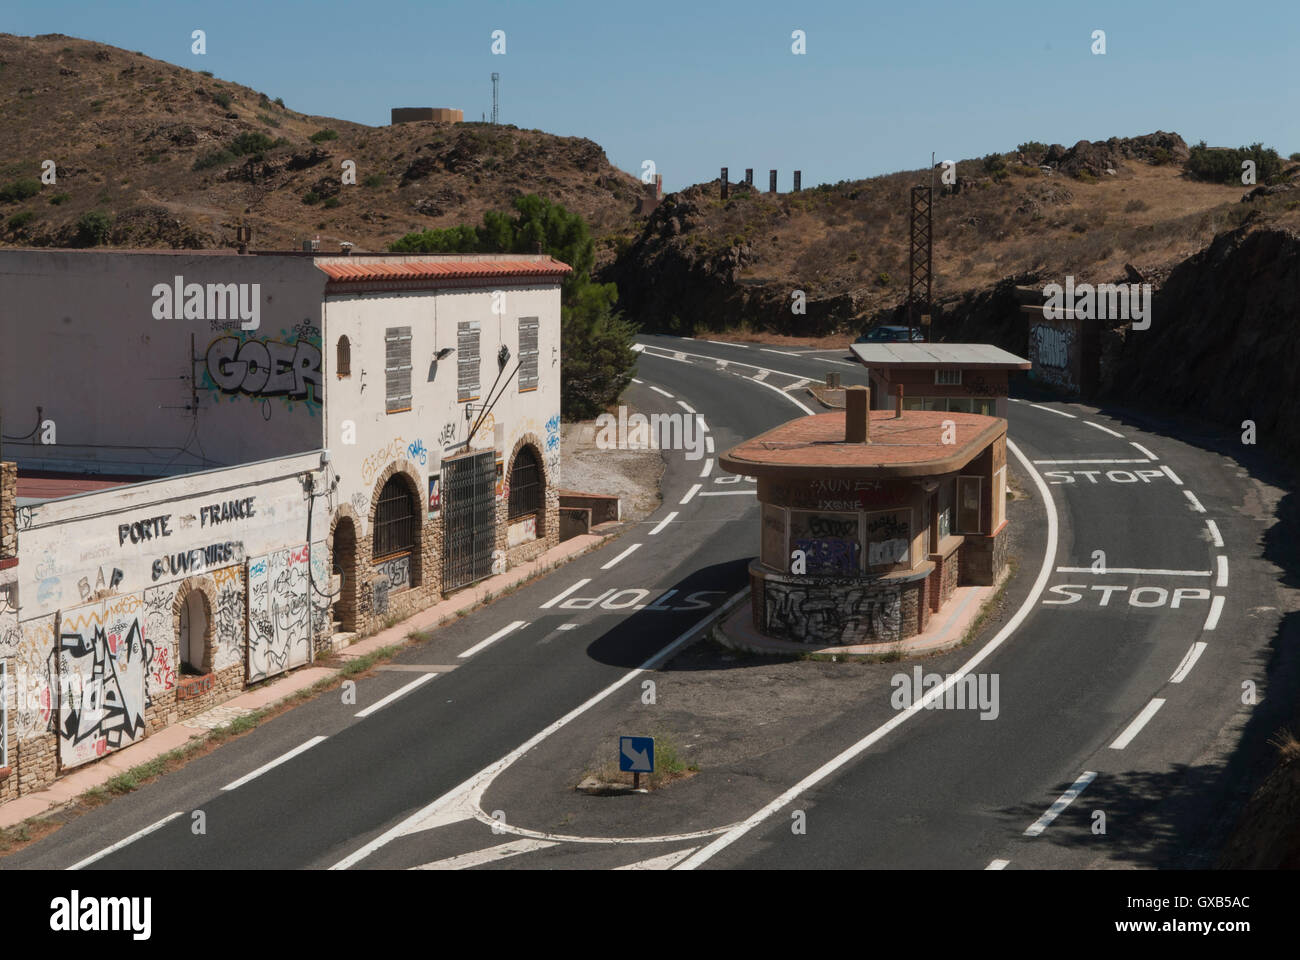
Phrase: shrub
[1134,206]
[1294,156]
[92,228]
[1160,156]
[20,220]
[251,142]
[1085,176]
[311,197]
[268,120]
[1032,147]
[206,73]
[883,280]
[279,102]
[20,190]
[374,180]
[213,158]
[1224,165]
[331,203]
[994,163]
[222,99]
[320,136]
[59,198]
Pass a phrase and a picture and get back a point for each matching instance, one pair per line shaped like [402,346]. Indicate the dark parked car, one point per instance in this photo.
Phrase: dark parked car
[891,335]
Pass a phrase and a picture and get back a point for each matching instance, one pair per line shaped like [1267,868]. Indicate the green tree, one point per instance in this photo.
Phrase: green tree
[595,340]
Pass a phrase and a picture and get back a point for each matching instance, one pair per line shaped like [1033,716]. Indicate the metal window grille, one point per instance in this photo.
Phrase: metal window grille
[467,360]
[397,368]
[525,484]
[396,520]
[344,365]
[950,378]
[527,353]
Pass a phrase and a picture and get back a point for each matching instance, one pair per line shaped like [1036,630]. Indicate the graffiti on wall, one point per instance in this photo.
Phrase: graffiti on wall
[829,614]
[263,368]
[277,612]
[415,452]
[160,674]
[396,572]
[10,635]
[829,554]
[524,531]
[320,593]
[889,537]
[35,674]
[1051,351]
[553,442]
[102,664]
[227,633]
[377,461]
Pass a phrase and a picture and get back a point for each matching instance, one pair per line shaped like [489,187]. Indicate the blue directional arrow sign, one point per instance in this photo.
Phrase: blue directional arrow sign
[636,754]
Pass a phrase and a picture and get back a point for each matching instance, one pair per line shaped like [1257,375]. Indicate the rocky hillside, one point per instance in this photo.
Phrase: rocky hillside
[1090,210]
[158,155]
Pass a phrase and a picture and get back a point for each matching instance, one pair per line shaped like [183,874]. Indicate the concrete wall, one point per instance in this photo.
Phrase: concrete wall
[87,339]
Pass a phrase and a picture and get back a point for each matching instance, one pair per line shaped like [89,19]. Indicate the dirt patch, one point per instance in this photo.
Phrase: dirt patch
[631,475]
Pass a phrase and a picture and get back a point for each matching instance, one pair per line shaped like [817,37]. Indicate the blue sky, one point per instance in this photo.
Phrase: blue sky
[696,86]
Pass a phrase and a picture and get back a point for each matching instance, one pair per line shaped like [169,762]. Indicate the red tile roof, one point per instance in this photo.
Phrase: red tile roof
[911,445]
[52,486]
[347,270]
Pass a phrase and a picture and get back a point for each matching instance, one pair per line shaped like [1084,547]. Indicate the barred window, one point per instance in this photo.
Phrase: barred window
[344,366]
[467,334]
[396,520]
[528,353]
[397,369]
[948,377]
[525,484]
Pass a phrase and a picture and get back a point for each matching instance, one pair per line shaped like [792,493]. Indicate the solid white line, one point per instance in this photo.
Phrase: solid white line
[635,380]
[1104,429]
[1063,801]
[464,861]
[728,493]
[723,343]
[785,353]
[664,392]
[760,376]
[664,862]
[1189,660]
[424,678]
[1196,504]
[492,639]
[842,363]
[708,467]
[1041,462]
[765,370]
[1137,570]
[798,384]
[301,748]
[1222,579]
[685,406]
[1171,475]
[689,494]
[558,597]
[568,626]
[1134,728]
[1143,450]
[937,692]
[629,550]
[1216,608]
[436,809]
[1059,413]
[1214,532]
[122,843]
[663,523]
[805,408]
[997,865]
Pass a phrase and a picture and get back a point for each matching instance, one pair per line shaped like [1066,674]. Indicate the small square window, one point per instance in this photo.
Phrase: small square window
[947,378]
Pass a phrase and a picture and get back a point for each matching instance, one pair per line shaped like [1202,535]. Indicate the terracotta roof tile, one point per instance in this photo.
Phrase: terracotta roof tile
[366,271]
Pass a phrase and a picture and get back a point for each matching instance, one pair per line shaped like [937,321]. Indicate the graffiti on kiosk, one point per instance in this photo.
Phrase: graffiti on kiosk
[827,614]
[289,368]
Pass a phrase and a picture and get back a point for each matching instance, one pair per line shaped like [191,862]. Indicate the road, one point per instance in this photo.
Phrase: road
[1121,684]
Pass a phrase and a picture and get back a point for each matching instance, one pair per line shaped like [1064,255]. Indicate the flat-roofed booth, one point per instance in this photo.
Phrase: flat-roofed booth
[890,511]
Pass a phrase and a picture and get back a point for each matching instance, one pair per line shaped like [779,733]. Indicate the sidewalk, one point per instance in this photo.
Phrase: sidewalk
[64,791]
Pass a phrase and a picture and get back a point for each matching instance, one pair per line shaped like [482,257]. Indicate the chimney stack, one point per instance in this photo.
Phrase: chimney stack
[857,414]
[898,401]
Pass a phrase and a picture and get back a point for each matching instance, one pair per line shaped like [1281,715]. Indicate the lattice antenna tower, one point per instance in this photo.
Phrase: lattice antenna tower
[496,83]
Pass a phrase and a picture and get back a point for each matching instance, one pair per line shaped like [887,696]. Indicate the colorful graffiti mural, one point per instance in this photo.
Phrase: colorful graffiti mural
[289,368]
[278,612]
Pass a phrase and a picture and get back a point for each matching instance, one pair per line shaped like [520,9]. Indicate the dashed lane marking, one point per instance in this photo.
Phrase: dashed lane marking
[685,406]
[689,494]
[1059,413]
[663,523]
[1143,450]
[1063,801]
[125,841]
[1216,609]
[662,391]
[997,865]
[1171,475]
[1140,721]
[1214,532]
[395,695]
[1098,426]
[708,467]
[493,639]
[1189,661]
[464,861]
[560,596]
[284,758]
[628,552]
[1196,504]
[1222,579]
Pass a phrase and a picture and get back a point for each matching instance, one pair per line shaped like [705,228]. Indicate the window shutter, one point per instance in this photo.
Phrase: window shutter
[467,359]
[527,353]
[397,368]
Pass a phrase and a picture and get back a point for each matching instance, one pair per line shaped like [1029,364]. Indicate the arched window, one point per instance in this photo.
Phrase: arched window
[344,365]
[193,641]
[525,484]
[396,519]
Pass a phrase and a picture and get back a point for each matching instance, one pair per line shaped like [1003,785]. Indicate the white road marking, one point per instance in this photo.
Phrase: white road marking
[708,444]
[301,748]
[663,523]
[997,865]
[1134,728]
[1098,426]
[1189,661]
[1063,801]
[494,638]
[558,597]
[729,493]
[723,343]
[638,347]
[490,855]
[935,693]
[627,552]
[708,467]
[689,493]
[1171,475]
[124,842]
[568,626]
[1041,462]
[664,392]
[1216,608]
[798,384]
[1196,504]
[400,692]
[842,363]
[1143,450]
[1214,532]
[1137,570]
[452,806]
[785,353]
[1059,413]
[635,380]
[802,406]
[760,376]
[685,406]
[665,862]
[1222,579]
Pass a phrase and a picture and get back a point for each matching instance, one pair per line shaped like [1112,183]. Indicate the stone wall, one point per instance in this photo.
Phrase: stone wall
[8,519]
[836,611]
[982,559]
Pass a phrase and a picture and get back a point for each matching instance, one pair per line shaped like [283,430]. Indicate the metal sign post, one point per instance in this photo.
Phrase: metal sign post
[637,756]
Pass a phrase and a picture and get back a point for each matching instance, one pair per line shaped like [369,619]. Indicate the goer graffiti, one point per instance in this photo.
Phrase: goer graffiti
[288,368]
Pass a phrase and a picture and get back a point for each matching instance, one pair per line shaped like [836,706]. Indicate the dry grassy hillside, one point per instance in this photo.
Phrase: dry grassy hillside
[126,132]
